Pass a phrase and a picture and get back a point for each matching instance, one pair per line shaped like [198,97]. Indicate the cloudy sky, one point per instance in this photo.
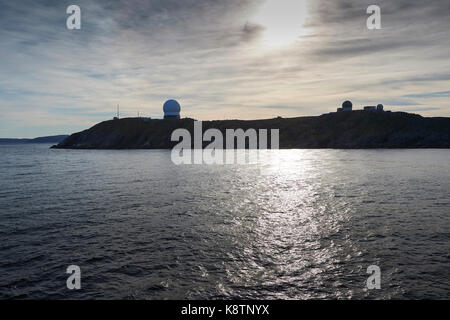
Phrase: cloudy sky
[222,59]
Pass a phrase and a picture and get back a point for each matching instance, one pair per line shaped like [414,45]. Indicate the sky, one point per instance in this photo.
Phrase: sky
[221,59]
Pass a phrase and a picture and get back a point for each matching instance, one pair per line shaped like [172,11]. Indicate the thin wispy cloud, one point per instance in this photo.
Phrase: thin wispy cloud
[430,95]
[219,58]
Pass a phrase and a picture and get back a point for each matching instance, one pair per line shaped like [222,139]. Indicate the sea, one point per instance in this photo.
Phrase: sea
[324,224]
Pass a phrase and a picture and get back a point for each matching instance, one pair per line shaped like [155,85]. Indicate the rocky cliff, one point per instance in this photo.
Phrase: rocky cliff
[357,129]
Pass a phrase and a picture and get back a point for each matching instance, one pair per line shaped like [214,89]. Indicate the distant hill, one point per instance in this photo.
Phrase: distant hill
[50,139]
[357,130]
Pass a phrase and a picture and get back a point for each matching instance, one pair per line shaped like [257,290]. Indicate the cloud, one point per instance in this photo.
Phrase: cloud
[422,109]
[209,54]
[429,95]
[283,107]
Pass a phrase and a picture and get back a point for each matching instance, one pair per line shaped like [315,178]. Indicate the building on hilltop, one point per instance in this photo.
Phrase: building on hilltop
[346,106]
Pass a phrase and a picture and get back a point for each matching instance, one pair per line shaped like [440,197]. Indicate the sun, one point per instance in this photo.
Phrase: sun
[282,20]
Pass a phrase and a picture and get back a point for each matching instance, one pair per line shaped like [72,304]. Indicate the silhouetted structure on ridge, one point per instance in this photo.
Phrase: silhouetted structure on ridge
[348,106]
[171,109]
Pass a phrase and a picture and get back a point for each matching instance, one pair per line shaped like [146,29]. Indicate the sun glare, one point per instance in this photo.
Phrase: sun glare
[283,20]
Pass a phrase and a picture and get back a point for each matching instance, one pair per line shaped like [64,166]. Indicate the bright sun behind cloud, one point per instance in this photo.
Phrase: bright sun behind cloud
[283,20]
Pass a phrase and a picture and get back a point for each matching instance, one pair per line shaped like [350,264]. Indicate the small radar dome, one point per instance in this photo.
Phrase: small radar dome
[347,104]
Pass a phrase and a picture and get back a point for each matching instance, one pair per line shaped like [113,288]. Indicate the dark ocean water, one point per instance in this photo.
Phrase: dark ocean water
[140,227]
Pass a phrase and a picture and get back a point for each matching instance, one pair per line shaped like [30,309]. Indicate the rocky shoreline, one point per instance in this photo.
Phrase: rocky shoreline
[345,130]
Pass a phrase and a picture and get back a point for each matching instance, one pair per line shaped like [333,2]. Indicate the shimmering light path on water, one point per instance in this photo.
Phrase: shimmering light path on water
[141,227]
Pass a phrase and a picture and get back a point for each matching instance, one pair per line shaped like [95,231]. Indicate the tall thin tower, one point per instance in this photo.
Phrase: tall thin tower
[118,114]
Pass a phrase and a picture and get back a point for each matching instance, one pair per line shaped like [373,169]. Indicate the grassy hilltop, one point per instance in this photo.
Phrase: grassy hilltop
[357,129]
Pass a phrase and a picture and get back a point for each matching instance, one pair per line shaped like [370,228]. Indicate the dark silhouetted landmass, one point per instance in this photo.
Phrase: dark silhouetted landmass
[348,130]
[50,139]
